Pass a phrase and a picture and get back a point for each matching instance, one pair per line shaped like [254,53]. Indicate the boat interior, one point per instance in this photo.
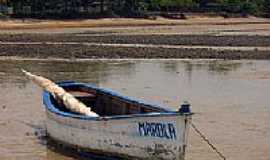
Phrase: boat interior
[105,103]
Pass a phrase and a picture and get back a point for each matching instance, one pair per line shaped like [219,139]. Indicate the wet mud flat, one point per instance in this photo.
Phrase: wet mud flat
[230,100]
[210,41]
[82,51]
[174,39]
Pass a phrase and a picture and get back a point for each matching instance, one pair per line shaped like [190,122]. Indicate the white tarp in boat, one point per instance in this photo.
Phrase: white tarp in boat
[68,99]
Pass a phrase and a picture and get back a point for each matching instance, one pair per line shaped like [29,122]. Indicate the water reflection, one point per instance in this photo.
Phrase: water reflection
[213,66]
[170,66]
[92,72]
[223,67]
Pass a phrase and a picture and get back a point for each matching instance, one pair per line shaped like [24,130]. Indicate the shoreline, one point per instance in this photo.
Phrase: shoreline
[15,58]
[13,24]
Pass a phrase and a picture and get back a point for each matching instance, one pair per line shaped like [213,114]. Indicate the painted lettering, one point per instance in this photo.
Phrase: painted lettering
[141,128]
[161,130]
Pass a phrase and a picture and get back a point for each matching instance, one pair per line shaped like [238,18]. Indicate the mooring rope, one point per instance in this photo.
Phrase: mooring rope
[207,141]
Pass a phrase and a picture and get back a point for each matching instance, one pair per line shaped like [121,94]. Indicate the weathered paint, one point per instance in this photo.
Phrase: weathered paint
[144,136]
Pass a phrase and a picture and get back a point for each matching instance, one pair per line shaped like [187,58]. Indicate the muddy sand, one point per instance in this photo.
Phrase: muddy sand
[93,52]
[116,22]
[207,38]
[134,46]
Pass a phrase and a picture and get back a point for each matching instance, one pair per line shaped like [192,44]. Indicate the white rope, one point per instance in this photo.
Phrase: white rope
[208,141]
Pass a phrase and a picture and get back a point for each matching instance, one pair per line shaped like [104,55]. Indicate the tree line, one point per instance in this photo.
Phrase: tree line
[135,8]
[253,7]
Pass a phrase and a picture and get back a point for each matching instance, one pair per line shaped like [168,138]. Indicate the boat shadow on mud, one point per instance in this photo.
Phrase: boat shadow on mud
[75,152]
[40,133]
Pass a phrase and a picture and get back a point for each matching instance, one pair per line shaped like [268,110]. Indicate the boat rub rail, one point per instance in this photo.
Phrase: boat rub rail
[160,110]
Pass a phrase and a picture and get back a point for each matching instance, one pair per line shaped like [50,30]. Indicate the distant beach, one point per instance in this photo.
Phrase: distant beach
[197,37]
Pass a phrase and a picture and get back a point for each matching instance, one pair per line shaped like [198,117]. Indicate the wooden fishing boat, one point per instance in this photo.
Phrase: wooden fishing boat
[126,128]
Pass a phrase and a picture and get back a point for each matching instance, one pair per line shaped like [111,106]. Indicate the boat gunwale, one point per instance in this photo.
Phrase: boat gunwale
[51,107]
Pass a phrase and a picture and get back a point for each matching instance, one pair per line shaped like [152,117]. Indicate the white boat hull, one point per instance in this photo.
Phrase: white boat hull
[156,136]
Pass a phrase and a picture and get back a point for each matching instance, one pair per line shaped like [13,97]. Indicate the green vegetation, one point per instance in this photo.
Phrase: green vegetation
[79,8]
[254,7]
